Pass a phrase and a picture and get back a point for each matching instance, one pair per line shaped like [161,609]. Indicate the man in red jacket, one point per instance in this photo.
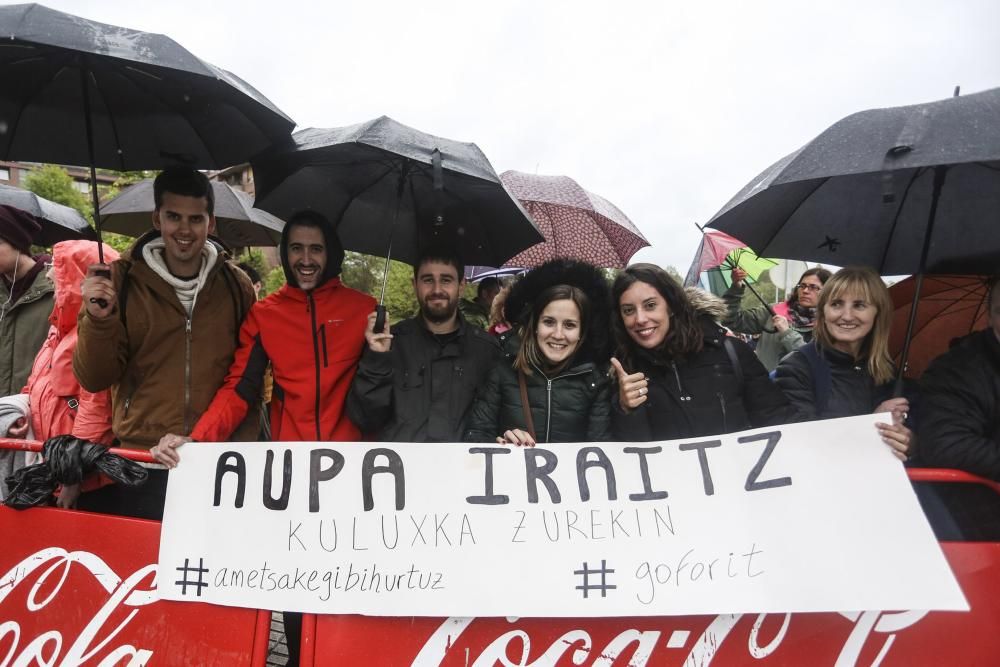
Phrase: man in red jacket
[312,331]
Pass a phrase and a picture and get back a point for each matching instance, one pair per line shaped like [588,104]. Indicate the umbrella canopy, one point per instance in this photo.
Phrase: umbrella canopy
[59,223]
[577,224]
[389,186]
[950,306]
[721,251]
[146,101]
[475,273]
[238,223]
[867,191]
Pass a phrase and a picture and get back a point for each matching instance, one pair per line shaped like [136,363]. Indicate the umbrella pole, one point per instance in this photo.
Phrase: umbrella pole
[84,71]
[939,173]
[380,315]
[746,283]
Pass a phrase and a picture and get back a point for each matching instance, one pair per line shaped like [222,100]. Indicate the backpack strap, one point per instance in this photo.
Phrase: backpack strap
[123,294]
[236,296]
[727,344]
[822,378]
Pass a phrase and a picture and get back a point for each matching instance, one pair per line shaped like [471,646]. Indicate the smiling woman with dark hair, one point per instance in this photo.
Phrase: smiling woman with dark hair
[552,384]
[679,375]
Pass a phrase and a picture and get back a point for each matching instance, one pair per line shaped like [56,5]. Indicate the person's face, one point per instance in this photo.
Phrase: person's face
[558,330]
[437,287]
[489,295]
[645,314]
[808,291]
[849,318]
[995,312]
[306,255]
[8,258]
[185,224]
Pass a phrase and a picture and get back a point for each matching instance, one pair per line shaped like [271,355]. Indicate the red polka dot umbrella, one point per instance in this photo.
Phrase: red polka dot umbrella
[576,224]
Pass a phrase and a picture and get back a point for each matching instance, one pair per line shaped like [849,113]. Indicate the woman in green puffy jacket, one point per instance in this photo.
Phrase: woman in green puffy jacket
[558,360]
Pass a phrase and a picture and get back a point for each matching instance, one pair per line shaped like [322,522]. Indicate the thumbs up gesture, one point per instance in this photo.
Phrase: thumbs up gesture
[633,389]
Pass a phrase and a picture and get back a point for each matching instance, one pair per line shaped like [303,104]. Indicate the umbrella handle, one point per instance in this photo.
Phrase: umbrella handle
[101,273]
[379,319]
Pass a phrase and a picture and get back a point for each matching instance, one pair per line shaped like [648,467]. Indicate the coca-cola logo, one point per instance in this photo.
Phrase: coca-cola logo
[46,573]
[515,648]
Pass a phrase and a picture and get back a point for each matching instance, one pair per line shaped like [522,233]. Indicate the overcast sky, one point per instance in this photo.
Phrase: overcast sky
[664,108]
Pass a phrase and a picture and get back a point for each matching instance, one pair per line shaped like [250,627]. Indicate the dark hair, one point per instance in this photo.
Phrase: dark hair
[528,354]
[444,254]
[186,182]
[684,336]
[487,284]
[334,250]
[819,272]
[250,271]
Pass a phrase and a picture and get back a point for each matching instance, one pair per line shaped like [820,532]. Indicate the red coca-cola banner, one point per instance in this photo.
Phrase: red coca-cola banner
[868,638]
[79,589]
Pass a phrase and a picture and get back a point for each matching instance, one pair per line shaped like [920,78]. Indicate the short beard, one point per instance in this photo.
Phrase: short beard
[437,318]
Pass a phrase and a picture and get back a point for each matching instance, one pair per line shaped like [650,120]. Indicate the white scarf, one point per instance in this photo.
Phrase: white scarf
[187,290]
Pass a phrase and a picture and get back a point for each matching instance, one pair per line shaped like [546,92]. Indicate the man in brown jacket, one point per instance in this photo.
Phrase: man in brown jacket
[162,331]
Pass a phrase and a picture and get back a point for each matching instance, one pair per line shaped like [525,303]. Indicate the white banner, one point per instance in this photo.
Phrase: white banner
[804,517]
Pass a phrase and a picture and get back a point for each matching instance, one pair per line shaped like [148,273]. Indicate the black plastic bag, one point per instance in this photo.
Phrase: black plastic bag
[67,460]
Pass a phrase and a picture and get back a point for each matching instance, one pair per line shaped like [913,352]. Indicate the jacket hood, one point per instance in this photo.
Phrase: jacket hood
[334,254]
[706,303]
[587,277]
[70,260]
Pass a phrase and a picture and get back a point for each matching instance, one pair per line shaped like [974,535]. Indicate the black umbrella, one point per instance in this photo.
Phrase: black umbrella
[869,190]
[76,91]
[238,223]
[391,189]
[59,223]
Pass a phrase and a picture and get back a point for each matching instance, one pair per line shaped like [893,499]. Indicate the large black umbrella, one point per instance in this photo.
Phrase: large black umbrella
[76,91]
[870,189]
[59,223]
[391,189]
[238,223]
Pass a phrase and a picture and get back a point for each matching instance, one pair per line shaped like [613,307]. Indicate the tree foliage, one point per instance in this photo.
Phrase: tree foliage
[273,282]
[55,184]
[766,288]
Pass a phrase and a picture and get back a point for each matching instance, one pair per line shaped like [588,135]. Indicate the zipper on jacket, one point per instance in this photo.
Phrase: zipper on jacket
[315,333]
[548,398]
[677,378]
[548,409]
[187,376]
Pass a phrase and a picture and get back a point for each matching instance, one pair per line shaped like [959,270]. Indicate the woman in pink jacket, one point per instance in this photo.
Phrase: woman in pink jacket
[59,405]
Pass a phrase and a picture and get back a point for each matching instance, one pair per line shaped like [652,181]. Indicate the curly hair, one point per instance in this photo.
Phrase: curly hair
[867,284]
[684,337]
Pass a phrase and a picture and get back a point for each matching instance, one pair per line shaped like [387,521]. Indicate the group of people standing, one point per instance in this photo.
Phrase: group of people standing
[171,346]
[168,345]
